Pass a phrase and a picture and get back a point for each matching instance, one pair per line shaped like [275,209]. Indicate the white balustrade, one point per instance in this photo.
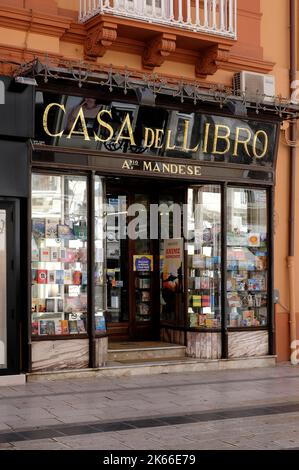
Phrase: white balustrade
[211,16]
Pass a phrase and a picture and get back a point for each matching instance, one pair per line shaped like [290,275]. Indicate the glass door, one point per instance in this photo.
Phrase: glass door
[117,270]
[9,293]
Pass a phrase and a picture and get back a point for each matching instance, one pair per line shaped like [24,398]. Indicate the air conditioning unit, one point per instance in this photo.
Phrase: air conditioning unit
[254,84]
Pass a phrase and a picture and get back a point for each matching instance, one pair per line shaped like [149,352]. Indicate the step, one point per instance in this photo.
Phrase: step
[183,365]
[141,353]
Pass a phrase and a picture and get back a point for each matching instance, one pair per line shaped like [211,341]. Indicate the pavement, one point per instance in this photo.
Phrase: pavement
[225,410]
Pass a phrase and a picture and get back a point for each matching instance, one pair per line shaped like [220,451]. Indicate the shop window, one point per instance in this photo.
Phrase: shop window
[247,257]
[204,257]
[59,255]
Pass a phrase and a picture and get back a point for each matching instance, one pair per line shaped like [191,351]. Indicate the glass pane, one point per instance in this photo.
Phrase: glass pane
[204,257]
[117,259]
[59,255]
[172,307]
[143,261]
[100,271]
[3,290]
[247,257]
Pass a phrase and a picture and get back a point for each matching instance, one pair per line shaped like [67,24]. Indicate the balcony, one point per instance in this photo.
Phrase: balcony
[213,17]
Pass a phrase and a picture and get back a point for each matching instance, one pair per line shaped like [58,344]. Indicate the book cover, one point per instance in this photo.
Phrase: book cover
[72,304]
[39,228]
[65,232]
[254,284]
[233,299]
[64,327]
[60,306]
[84,278]
[34,276]
[41,306]
[81,327]
[68,278]
[63,255]
[80,230]
[209,323]
[52,277]
[205,283]
[145,296]
[46,327]
[196,300]
[45,254]
[34,328]
[73,327]
[193,320]
[50,305]
[77,277]
[100,323]
[248,316]
[58,329]
[55,254]
[209,263]
[70,255]
[51,228]
[198,261]
[60,277]
[42,275]
[232,264]
[34,250]
[205,301]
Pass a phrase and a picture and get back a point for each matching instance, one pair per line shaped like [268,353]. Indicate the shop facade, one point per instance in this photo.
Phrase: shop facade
[149,223]
[163,132]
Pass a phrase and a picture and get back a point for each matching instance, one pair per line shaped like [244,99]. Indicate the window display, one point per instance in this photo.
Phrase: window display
[247,258]
[204,257]
[59,255]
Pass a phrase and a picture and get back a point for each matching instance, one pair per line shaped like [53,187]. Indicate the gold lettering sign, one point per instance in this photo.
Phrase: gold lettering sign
[214,137]
[163,168]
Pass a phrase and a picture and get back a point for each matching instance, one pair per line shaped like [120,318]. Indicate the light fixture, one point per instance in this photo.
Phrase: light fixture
[238,108]
[26,81]
[145,96]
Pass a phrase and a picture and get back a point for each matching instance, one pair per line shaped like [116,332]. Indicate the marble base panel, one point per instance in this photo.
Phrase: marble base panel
[204,345]
[248,344]
[101,352]
[60,355]
[167,335]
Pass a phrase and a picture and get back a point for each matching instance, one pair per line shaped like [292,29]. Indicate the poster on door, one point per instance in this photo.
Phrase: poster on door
[173,257]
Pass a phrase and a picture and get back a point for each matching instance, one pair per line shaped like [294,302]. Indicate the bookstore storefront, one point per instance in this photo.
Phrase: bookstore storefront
[149,223]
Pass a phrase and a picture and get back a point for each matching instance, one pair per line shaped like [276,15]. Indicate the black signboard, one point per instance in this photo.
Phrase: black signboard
[128,128]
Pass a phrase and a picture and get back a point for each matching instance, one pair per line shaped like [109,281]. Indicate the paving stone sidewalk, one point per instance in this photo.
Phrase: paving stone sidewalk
[239,409]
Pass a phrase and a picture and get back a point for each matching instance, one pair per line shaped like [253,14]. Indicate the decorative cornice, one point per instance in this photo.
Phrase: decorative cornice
[157,50]
[210,60]
[34,21]
[99,38]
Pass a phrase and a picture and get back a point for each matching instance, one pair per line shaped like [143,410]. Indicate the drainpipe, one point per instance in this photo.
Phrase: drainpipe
[293,133]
